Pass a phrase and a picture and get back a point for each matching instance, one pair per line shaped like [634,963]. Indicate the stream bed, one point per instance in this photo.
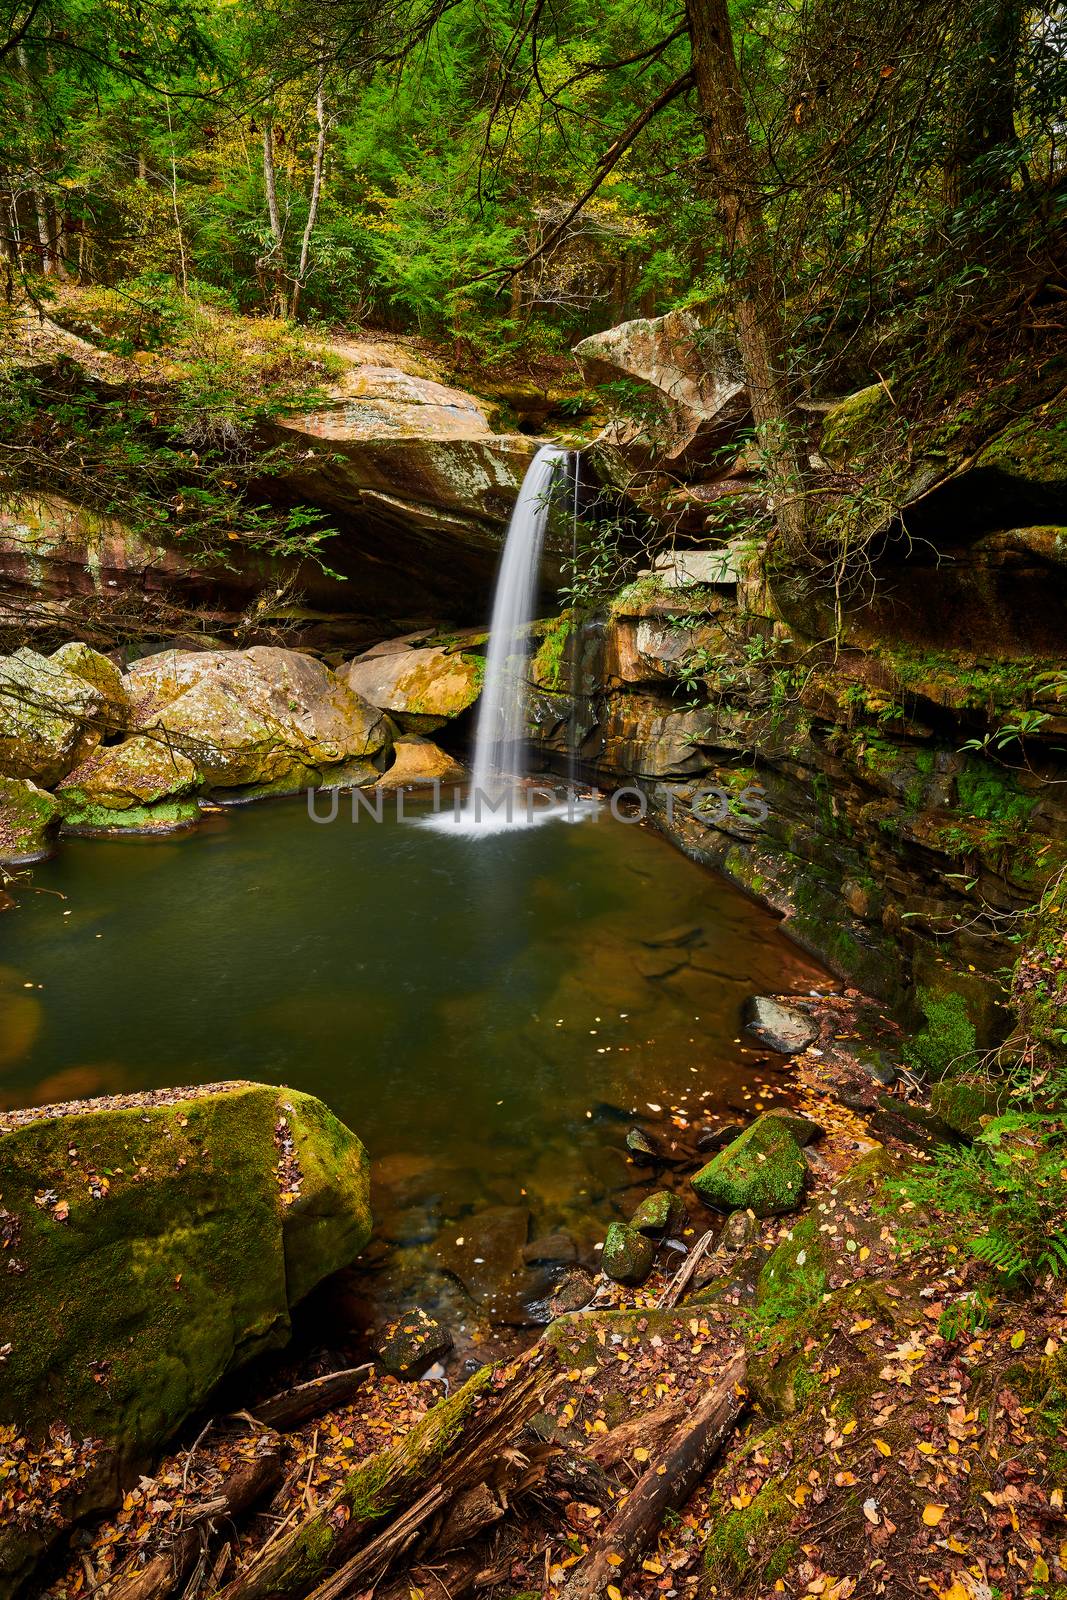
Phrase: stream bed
[491,1015]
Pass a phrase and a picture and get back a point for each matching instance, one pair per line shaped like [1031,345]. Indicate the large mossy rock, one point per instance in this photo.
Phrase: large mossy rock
[155,1243]
[423,688]
[50,717]
[28,819]
[138,772]
[763,1170]
[252,716]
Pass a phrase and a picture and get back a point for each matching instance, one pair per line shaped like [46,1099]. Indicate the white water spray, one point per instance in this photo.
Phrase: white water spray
[500,739]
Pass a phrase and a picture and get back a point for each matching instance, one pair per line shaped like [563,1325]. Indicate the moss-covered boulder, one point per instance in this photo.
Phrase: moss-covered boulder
[628,1255]
[137,772]
[965,1104]
[659,1214]
[410,1343]
[154,1243]
[28,819]
[853,427]
[50,718]
[82,661]
[763,1170]
[252,716]
[423,688]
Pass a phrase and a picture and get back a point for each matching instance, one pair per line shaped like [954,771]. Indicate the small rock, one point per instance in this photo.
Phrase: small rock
[411,1343]
[642,1147]
[782,1028]
[764,1170]
[660,1214]
[715,1138]
[628,1255]
[552,1250]
[573,1291]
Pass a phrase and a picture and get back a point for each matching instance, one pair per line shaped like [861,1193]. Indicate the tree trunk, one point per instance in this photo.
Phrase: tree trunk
[270,185]
[982,111]
[316,189]
[734,177]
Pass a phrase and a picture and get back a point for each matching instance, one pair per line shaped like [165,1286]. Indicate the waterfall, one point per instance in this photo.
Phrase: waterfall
[500,739]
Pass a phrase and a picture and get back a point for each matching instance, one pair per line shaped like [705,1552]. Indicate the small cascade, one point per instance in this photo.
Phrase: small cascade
[500,739]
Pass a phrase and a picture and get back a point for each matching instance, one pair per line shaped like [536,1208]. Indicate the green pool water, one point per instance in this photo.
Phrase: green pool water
[489,1014]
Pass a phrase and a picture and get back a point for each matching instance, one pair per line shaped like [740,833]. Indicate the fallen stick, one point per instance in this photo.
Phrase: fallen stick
[683,1277]
[240,1489]
[454,1446]
[665,1487]
[292,1407]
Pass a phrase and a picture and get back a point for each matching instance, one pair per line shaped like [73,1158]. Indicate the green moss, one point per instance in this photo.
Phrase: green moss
[551,661]
[167,817]
[752,1536]
[763,1170]
[153,1245]
[991,796]
[947,1042]
[854,427]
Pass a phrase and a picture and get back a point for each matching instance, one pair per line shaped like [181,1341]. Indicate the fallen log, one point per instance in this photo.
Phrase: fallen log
[292,1407]
[455,1446]
[249,1482]
[651,1429]
[665,1486]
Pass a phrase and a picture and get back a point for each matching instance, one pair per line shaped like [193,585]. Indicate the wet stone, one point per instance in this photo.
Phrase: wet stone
[574,1290]
[783,1028]
[412,1343]
[628,1255]
[551,1250]
[642,1147]
[661,1214]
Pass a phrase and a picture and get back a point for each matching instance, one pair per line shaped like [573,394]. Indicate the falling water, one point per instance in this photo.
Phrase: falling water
[500,740]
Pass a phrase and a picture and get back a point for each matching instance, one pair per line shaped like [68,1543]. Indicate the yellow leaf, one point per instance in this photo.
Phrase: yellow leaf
[1018,1339]
[932,1515]
[652,1566]
[614,1593]
[862,1325]
[614,1560]
[928,1449]
[882,1448]
[640,1454]
[850,1427]
[1040,1572]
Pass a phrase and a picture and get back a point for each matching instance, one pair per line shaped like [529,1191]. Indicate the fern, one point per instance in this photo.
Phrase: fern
[999,1251]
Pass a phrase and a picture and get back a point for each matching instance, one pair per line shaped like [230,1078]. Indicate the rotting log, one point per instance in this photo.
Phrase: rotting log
[650,1429]
[294,1407]
[665,1486]
[453,1447]
[239,1491]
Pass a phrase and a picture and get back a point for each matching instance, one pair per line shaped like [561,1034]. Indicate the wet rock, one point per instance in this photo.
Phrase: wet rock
[417,760]
[780,1027]
[966,1104]
[656,964]
[50,718]
[610,1172]
[687,933]
[642,1147]
[411,1344]
[661,1214]
[574,1290]
[29,817]
[422,688]
[763,1170]
[82,661]
[714,1138]
[551,1250]
[627,1256]
[485,1252]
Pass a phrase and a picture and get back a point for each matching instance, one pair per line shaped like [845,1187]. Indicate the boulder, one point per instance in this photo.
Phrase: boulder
[550,1250]
[422,688]
[50,718]
[780,1027]
[411,1343]
[154,1243]
[659,1214]
[417,760]
[628,1255]
[691,381]
[763,1170]
[252,716]
[28,818]
[137,772]
[82,661]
